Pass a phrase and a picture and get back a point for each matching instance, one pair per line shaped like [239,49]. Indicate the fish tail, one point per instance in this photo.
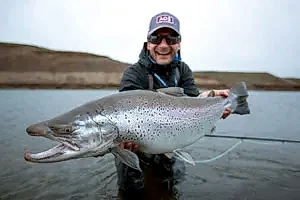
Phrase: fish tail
[237,100]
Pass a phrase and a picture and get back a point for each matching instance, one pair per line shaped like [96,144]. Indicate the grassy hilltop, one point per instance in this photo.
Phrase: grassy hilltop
[25,66]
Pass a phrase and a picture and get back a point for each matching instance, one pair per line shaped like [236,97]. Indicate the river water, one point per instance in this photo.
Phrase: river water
[251,171]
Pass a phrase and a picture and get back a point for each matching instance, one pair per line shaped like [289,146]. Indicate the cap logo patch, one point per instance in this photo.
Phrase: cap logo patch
[164,19]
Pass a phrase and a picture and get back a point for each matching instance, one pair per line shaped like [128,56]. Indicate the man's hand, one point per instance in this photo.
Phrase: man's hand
[226,113]
[222,93]
[127,145]
[130,146]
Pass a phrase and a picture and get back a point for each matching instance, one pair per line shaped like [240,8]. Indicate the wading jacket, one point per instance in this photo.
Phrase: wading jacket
[145,75]
[141,74]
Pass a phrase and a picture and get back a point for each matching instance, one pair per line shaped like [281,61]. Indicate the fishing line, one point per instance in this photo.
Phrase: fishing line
[243,139]
[220,155]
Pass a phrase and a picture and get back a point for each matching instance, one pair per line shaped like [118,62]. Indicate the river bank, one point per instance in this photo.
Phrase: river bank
[32,67]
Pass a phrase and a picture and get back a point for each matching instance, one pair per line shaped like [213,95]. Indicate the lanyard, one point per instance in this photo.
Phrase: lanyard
[162,81]
[158,77]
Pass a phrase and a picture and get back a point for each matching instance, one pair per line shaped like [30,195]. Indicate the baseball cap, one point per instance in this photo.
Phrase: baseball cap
[164,20]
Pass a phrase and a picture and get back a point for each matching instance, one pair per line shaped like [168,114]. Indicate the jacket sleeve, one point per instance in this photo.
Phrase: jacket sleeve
[187,81]
[131,79]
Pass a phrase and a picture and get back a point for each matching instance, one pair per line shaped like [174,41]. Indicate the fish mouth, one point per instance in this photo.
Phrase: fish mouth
[48,155]
[63,151]
[57,153]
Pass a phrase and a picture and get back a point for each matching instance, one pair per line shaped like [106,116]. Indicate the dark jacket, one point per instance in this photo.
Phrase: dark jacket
[136,75]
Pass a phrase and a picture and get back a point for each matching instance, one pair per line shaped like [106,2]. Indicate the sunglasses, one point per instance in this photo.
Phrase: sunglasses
[156,39]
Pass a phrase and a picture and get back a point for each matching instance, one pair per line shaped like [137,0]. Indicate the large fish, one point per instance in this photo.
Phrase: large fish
[161,122]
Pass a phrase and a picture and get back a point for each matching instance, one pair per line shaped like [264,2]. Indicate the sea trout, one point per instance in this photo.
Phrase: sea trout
[164,121]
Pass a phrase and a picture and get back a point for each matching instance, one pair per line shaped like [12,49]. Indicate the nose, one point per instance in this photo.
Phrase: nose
[37,130]
[163,43]
[31,130]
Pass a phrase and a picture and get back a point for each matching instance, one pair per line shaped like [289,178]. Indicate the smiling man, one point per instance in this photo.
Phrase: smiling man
[159,66]
[163,45]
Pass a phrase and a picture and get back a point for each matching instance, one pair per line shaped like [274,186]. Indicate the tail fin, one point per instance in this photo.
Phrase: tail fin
[238,99]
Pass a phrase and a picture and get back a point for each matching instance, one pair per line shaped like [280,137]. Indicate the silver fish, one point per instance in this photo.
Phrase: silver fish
[161,122]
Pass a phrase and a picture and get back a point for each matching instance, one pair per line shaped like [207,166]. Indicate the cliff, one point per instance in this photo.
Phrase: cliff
[25,66]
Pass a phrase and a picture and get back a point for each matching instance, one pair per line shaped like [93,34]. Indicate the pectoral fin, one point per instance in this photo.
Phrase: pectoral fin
[184,156]
[127,157]
[169,155]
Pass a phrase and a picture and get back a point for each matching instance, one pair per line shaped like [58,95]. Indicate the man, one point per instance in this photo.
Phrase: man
[159,65]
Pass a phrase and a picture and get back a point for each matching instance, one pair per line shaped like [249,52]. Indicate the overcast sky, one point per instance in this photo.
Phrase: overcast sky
[223,35]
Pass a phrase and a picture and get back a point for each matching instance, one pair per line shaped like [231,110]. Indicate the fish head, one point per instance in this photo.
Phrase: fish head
[84,136]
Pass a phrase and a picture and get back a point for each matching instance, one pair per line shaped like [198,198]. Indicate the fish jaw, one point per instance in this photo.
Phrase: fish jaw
[58,153]
[67,149]
[86,140]
[64,152]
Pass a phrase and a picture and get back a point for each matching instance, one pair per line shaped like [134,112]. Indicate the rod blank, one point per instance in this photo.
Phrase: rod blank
[254,138]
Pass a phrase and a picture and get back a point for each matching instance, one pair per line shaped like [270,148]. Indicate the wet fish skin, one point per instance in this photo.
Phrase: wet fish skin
[165,121]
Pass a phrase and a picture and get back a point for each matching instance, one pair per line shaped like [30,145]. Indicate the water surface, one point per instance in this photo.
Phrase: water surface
[251,171]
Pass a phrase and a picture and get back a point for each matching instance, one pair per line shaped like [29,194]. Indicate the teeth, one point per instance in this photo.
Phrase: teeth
[164,54]
[68,143]
[74,147]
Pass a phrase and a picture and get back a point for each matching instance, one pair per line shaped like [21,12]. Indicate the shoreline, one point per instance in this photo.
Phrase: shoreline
[25,66]
[116,86]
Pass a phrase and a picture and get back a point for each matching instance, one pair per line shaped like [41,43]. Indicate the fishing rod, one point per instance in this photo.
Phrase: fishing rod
[254,138]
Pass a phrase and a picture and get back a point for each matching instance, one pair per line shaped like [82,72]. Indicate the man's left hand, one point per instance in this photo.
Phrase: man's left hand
[226,113]
[223,93]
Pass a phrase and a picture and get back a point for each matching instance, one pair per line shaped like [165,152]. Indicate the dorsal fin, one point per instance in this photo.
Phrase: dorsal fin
[173,91]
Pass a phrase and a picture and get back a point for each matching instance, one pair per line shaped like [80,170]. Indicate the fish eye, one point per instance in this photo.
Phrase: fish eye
[51,127]
[67,130]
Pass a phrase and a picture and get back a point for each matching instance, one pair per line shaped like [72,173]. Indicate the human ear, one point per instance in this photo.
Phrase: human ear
[178,46]
[148,46]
